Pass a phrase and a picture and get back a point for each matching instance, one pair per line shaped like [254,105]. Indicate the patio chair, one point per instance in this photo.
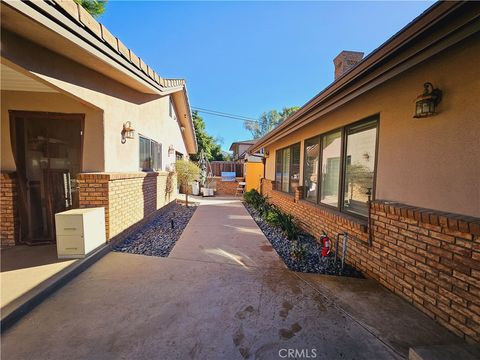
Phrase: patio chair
[240,188]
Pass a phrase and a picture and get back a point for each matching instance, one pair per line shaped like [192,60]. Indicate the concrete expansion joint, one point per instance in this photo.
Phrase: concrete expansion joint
[331,299]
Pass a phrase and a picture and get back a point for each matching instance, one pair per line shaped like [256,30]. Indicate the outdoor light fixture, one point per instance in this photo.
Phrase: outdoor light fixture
[426,103]
[171,150]
[128,132]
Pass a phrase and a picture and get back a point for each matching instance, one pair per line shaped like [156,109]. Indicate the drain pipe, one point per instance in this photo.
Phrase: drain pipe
[369,194]
[344,250]
[336,247]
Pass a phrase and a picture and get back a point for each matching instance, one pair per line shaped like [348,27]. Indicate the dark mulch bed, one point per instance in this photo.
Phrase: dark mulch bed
[158,237]
[311,261]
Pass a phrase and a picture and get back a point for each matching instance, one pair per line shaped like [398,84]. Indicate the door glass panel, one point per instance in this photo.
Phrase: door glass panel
[52,159]
[360,166]
[331,149]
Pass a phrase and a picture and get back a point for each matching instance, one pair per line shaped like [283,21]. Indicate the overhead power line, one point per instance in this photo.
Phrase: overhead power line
[223,114]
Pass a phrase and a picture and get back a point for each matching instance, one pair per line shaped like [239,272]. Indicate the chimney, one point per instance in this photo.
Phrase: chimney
[345,61]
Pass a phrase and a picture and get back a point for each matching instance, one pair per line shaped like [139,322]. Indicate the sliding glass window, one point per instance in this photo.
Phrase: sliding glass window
[278,169]
[342,159]
[331,164]
[310,171]
[359,166]
[287,169]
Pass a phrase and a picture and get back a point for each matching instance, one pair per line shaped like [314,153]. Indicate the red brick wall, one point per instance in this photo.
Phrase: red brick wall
[129,199]
[226,188]
[429,258]
[9,224]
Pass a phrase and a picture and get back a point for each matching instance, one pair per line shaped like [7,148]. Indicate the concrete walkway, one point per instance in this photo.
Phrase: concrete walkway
[223,293]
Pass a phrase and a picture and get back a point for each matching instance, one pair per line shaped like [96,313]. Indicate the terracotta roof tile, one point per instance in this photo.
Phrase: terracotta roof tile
[81,16]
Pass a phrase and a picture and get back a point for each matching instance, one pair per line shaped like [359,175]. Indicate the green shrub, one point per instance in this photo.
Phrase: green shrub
[272,214]
[297,250]
[250,196]
[289,226]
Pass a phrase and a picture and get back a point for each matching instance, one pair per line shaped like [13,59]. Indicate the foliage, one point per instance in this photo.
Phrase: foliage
[94,7]
[269,121]
[297,250]
[207,143]
[272,214]
[187,172]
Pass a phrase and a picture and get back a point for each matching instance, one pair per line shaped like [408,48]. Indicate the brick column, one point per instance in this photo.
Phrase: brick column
[129,199]
[9,222]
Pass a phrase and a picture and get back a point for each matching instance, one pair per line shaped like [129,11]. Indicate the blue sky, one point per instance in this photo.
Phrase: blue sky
[248,57]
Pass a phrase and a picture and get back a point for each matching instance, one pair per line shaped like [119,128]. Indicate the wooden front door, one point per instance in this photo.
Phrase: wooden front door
[48,157]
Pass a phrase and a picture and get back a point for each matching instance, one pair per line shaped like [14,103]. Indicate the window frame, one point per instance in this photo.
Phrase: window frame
[319,143]
[151,143]
[341,186]
[280,151]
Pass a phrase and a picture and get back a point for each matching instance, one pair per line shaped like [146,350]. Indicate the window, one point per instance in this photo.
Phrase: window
[359,166]
[287,168]
[170,108]
[150,154]
[331,152]
[339,175]
[310,177]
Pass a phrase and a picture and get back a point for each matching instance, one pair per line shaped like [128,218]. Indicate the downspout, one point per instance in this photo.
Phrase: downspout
[369,194]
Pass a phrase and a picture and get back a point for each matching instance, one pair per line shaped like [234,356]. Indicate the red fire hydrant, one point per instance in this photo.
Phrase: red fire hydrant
[325,245]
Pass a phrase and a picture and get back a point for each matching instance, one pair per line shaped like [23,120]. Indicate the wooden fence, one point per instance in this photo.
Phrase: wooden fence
[229,166]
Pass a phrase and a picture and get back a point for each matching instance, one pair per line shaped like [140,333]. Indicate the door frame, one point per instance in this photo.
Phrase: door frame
[14,117]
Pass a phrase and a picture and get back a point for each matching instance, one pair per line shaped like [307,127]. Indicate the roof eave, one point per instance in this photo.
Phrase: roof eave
[423,22]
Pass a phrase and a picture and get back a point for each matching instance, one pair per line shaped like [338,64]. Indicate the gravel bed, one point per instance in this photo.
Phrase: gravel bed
[157,237]
[311,261]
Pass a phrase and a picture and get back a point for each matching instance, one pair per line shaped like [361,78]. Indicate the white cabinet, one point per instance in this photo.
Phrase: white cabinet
[79,231]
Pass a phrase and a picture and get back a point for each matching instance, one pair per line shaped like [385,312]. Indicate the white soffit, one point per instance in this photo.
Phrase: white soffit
[16,81]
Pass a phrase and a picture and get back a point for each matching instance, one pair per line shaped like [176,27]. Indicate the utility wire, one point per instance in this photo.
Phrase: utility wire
[219,112]
[226,115]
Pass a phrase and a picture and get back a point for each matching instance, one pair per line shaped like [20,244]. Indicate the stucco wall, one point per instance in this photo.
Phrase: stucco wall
[148,113]
[432,162]
[93,159]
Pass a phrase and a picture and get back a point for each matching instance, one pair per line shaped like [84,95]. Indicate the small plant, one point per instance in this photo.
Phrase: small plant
[297,250]
[251,197]
[186,171]
[274,216]
[289,226]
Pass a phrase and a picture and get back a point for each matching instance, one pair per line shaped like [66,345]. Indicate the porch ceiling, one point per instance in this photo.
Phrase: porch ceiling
[16,81]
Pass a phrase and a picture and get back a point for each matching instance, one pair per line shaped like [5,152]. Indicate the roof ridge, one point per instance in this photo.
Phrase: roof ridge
[82,17]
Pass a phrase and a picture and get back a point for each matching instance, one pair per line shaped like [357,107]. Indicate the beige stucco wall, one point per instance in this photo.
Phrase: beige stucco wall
[432,162]
[93,159]
[147,113]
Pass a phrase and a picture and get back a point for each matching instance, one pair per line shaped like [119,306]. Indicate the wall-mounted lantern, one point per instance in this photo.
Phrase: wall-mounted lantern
[128,132]
[171,150]
[427,102]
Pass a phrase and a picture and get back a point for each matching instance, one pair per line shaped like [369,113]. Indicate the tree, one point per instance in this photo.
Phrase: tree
[269,121]
[94,7]
[187,172]
[207,143]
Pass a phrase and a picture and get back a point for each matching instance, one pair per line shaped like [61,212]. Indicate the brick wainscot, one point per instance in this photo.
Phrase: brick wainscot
[129,199]
[9,225]
[430,258]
